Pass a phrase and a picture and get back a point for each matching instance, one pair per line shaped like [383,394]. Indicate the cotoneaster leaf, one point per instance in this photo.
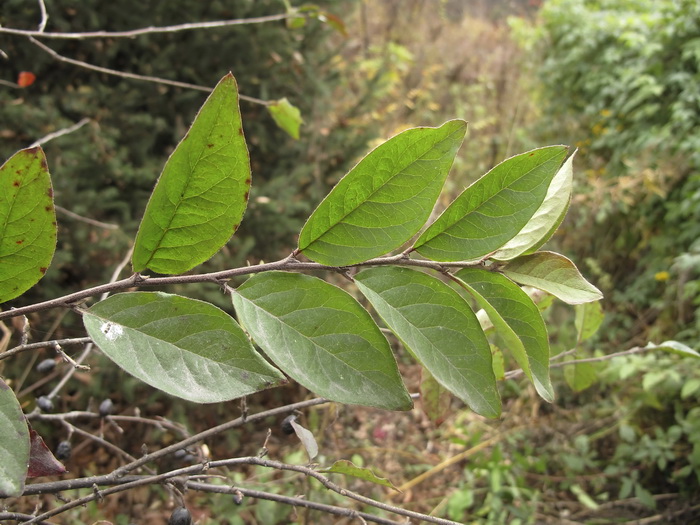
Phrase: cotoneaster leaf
[14,444]
[320,336]
[493,210]
[517,320]
[546,219]
[554,274]
[384,200]
[200,198]
[437,325]
[27,222]
[187,348]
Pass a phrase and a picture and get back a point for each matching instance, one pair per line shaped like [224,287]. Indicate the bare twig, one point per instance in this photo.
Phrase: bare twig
[86,220]
[44,16]
[60,133]
[288,500]
[44,344]
[145,30]
[137,481]
[18,516]
[134,76]
[636,350]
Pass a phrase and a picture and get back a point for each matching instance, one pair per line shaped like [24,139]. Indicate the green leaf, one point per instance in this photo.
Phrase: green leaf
[435,399]
[494,209]
[27,222]
[286,116]
[674,347]
[321,337]
[384,200]
[554,274]
[589,317]
[546,219]
[580,376]
[187,348]
[439,328]
[14,444]
[200,198]
[347,468]
[517,320]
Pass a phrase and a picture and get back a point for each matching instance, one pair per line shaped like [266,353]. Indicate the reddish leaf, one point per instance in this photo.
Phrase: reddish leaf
[41,461]
[25,79]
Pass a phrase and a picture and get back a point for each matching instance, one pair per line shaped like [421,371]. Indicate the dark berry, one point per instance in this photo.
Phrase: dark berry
[106,407]
[63,451]
[45,403]
[46,366]
[287,427]
[180,516]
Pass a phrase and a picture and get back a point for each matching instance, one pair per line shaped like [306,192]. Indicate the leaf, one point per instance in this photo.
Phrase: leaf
[27,222]
[187,348]
[200,198]
[307,439]
[25,79]
[385,199]
[41,460]
[286,116]
[580,376]
[546,219]
[554,274]
[674,347]
[344,466]
[494,209]
[437,325]
[14,444]
[517,320]
[321,336]
[589,317]
[435,399]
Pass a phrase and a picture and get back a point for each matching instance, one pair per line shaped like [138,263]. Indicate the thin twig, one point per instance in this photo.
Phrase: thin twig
[288,500]
[147,30]
[44,344]
[134,76]
[635,350]
[18,516]
[44,16]
[250,460]
[60,133]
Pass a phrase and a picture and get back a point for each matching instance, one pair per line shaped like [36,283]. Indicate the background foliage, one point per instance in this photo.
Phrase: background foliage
[617,78]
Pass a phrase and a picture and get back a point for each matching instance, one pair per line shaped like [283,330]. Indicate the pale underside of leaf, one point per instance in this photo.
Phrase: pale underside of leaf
[321,337]
[14,444]
[546,219]
[187,348]
[438,327]
[554,274]
[517,320]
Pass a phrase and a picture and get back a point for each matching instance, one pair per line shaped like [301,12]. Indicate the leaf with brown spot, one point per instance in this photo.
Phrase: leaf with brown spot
[27,222]
[202,191]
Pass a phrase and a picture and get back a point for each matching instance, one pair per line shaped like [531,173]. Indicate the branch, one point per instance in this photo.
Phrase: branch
[146,30]
[133,76]
[44,344]
[87,220]
[137,481]
[289,263]
[288,500]
[636,350]
[60,133]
